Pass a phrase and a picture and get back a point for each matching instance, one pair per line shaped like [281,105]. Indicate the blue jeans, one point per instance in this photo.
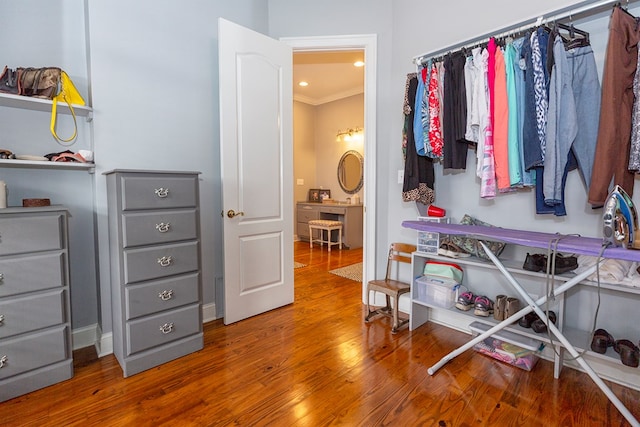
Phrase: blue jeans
[559,208]
[573,117]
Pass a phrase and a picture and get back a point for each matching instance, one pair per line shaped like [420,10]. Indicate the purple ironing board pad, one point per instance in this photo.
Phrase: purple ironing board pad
[535,239]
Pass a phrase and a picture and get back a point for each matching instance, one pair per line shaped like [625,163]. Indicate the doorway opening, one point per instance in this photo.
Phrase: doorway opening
[366,44]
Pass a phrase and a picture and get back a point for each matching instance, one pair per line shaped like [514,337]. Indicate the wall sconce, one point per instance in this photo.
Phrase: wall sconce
[350,134]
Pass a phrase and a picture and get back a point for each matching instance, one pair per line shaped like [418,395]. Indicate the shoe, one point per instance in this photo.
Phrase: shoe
[538,262]
[483,306]
[526,320]
[535,262]
[512,307]
[539,326]
[451,250]
[565,263]
[629,352]
[499,307]
[601,341]
[465,301]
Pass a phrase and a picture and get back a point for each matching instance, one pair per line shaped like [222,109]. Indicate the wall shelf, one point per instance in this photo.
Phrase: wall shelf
[7,163]
[38,104]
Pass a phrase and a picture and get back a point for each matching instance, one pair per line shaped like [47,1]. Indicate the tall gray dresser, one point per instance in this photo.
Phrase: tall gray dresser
[35,315]
[154,240]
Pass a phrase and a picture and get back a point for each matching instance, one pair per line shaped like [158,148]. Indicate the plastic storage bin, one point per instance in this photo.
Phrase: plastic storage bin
[507,347]
[435,292]
[429,242]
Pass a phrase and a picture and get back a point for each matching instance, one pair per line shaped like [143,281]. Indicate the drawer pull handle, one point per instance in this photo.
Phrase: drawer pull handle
[166,328]
[1,277]
[166,295]
[1,319]
[162,192]
[3,360]
[165,261]
[163,227]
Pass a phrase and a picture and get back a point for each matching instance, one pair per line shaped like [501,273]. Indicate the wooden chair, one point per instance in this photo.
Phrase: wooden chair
[399,253]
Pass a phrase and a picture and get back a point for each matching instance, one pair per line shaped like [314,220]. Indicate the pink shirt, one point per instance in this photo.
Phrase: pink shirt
[501,124]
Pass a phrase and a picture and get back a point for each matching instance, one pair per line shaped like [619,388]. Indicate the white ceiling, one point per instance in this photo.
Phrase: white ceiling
[331,76]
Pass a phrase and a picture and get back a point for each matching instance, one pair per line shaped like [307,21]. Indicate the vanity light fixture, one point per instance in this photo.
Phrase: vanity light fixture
[349,134]
[359,64]
[303,84]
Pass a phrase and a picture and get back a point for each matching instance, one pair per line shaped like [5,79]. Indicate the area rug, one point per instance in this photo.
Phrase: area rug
[298,264]
[353,272]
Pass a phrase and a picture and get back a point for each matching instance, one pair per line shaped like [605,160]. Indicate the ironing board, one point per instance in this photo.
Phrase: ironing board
[562,243]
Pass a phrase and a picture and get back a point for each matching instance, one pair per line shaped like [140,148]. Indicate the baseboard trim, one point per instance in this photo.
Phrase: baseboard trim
[104,345]
[92,335]
[208,312]
[85,336]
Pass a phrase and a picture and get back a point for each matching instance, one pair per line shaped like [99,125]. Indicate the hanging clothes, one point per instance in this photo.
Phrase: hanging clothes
[539,42]
[538,49]
[435,128]
[532,152]
[477,113]
[418,170]
[578,118]
[481,102]
[614,132]
[424,111]
[470,75]
[513,140]
[488,178]
[562,126]
[406,110]
[501,124]
[518,176]
[418,130]
[634,152]
[454,113]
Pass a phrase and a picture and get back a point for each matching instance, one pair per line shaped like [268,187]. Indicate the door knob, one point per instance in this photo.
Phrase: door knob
[231,213]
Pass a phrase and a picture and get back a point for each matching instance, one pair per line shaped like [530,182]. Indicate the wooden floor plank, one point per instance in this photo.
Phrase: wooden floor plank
[317,363]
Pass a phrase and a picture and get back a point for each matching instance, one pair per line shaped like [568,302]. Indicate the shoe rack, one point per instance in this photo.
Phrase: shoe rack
[483,278]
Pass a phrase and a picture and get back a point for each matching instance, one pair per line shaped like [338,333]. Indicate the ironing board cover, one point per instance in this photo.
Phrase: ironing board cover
[568,243]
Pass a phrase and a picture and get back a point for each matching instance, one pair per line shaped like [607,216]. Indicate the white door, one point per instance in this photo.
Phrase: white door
[257,171]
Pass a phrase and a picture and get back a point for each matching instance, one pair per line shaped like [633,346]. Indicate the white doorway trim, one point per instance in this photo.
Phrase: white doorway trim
[368,43]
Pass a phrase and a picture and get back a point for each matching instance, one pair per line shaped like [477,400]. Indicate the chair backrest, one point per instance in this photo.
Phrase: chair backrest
[399,252]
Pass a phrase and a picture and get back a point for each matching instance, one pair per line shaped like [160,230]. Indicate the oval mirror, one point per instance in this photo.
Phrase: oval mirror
[350,172]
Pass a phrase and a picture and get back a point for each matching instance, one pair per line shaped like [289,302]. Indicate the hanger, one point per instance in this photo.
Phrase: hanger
[624,8]
[575,38]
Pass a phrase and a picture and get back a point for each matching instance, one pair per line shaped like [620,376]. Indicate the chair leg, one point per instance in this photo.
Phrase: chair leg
[369,312]
[310,237]
[394,329]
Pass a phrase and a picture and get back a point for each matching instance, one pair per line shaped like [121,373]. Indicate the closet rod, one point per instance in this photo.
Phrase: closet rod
[581,8]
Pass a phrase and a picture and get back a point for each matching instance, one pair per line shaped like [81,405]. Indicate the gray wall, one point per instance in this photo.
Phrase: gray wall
[154,71]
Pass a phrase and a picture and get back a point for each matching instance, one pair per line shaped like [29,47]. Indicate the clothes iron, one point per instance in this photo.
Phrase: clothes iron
[620,220]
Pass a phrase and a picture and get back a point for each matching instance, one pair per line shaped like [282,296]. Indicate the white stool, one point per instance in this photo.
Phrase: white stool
[323,225]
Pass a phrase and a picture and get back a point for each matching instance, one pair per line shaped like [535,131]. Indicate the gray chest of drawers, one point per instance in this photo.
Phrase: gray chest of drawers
[154,240]
[35,317]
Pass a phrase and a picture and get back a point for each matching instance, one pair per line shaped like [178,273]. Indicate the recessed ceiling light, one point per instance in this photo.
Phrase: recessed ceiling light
[303,84]
[359,63]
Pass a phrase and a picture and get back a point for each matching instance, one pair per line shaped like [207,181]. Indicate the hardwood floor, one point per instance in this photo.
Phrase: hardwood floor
[316,363]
